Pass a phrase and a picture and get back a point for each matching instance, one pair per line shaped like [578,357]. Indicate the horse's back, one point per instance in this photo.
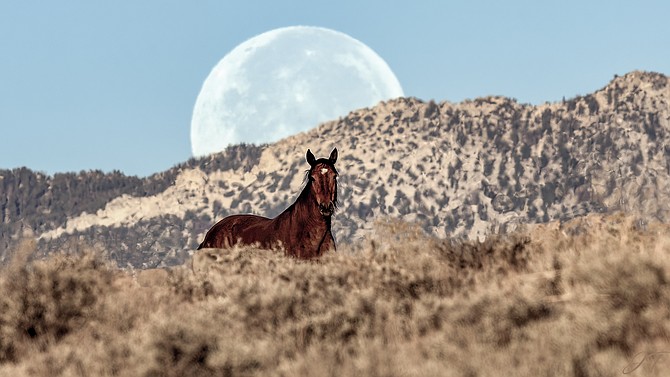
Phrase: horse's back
[233,229]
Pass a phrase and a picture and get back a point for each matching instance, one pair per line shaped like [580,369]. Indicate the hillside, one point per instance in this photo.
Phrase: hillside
[460,170]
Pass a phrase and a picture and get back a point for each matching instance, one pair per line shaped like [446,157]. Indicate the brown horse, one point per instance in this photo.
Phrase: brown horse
[303,229]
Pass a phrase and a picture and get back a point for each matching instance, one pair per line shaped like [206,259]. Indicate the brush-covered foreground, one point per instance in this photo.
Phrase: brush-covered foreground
[589,297]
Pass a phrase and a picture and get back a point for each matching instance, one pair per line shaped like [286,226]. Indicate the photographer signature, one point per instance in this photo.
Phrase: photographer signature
[641,358]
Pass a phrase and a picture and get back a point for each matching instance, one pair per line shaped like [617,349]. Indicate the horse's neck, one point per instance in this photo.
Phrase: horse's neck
[304,228]
[304,210]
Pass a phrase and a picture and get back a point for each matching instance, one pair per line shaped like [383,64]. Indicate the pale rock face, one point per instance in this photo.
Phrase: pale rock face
[460,170]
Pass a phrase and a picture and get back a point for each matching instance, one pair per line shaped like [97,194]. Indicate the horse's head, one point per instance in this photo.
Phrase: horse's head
[323,181]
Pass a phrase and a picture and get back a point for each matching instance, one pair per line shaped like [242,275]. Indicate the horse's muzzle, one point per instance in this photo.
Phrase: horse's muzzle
[327,209]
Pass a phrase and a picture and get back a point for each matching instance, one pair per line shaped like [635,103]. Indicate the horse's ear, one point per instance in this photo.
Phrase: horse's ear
[333,156]
[310,158]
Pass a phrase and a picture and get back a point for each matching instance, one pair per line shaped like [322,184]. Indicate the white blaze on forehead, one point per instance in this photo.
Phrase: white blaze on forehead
[324,171]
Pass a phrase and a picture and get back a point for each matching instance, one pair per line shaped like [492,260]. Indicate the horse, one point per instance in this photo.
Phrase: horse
[303,230]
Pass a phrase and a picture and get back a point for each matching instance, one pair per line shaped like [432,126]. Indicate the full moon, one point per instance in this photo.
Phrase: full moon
[286,81]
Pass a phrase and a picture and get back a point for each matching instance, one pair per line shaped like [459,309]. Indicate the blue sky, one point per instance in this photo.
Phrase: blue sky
[111,85]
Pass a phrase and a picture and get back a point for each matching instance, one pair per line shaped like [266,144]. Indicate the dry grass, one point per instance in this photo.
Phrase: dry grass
[590,297]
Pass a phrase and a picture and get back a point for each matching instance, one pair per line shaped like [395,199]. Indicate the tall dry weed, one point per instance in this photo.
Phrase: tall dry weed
[588,297]
[44,301]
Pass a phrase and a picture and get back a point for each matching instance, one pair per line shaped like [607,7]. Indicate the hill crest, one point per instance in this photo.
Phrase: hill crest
[460,170]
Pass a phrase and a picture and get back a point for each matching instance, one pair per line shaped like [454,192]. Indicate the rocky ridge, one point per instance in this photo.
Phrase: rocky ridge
[460,170]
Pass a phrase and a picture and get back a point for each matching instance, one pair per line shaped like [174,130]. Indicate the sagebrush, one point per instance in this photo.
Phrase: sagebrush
[588,297]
